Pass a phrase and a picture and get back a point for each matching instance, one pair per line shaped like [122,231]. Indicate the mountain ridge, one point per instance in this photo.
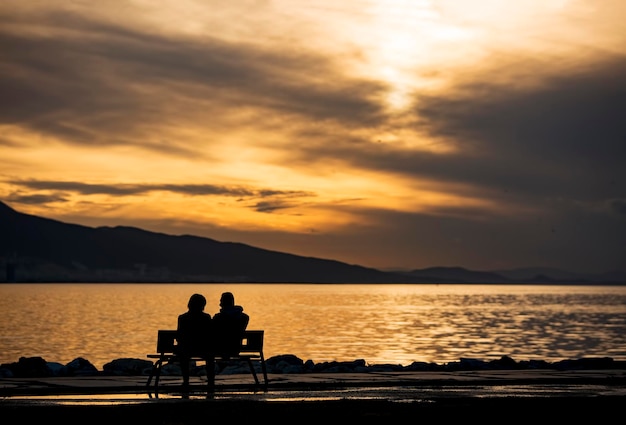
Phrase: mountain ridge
[37,249]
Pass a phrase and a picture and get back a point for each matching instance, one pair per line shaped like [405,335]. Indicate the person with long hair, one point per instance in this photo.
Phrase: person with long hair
[194,337]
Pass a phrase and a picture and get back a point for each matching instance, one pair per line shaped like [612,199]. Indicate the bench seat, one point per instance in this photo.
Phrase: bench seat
[251,351]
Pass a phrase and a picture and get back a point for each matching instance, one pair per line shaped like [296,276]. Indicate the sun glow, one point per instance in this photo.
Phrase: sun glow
[403,36]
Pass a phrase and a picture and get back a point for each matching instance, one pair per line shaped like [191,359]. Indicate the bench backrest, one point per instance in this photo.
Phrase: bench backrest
[166,341]
[252,341]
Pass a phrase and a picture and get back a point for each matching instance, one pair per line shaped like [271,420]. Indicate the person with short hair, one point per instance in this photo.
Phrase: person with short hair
[229,325]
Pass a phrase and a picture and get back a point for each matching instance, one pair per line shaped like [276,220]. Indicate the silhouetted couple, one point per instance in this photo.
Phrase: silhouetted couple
[199,335]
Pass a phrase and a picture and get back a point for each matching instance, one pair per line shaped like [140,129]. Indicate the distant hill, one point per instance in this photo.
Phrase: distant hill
[36,249]
[529,275]
[562,275]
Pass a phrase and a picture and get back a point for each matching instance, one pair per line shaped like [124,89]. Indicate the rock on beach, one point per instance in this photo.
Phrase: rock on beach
[33,367]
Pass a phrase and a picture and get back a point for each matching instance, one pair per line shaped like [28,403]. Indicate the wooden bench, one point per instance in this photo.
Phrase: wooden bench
[251,351]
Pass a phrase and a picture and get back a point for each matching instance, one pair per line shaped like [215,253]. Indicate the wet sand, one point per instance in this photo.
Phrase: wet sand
[191,412]
[481,396]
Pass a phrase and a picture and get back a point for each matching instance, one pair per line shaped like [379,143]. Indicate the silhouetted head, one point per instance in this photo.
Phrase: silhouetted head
[196,302]
[227,300]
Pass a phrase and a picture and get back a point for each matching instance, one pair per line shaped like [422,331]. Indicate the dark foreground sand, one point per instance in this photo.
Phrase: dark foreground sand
[484,397]
[188,412]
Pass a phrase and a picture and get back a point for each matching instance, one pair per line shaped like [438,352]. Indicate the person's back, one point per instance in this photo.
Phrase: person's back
[194,337]
[194,333]
[229,325]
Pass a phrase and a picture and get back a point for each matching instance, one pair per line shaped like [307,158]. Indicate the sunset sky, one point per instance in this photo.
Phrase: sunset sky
[483,134]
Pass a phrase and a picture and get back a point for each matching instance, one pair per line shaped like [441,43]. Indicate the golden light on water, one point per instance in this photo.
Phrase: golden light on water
[396,324]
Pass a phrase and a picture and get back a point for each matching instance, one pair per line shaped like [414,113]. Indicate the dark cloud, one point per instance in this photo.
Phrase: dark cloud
[619,206]
[563,139]
[138,189]
[271,206]
[95,83]
[35,199]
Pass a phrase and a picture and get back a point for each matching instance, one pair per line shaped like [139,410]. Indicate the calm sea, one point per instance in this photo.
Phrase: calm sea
[384,323]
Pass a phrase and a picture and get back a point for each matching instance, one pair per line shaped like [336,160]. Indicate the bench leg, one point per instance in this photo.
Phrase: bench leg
[156,371]
[210,374]
[264,369]
[256,379]
[156,374]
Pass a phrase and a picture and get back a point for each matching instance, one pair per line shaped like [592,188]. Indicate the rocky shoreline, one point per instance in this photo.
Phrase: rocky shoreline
[559,392]
[36,367]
